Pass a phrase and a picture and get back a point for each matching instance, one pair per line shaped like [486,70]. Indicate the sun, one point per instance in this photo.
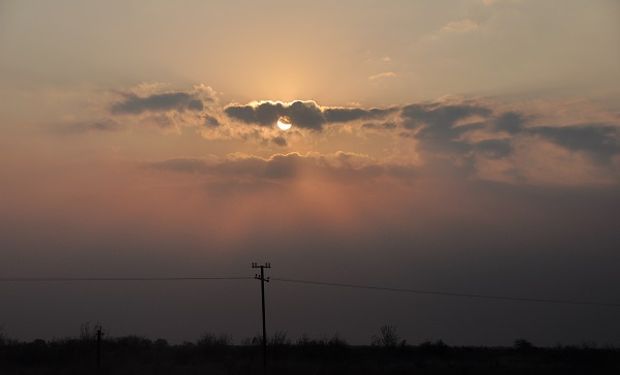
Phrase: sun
[284,123]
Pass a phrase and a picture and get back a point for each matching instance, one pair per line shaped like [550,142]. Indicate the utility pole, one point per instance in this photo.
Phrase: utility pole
[262,292]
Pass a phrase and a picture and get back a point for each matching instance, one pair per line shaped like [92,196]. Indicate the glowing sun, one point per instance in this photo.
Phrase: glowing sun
[284,123]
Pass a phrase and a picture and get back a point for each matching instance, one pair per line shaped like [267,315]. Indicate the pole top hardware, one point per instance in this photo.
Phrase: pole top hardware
[256,265]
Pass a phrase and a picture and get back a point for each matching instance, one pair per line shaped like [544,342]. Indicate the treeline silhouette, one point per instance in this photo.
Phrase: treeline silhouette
[387,353]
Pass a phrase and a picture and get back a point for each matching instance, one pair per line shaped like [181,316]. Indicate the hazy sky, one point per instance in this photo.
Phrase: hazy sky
[460,146]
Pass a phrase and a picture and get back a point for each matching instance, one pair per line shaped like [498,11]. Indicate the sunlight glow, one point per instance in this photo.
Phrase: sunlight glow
[284,123]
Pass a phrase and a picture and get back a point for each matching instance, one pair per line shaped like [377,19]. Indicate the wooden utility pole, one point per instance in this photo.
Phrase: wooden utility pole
[262,279]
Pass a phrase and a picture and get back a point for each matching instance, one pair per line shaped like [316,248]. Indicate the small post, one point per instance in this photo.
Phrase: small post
[262,291]
[99,334]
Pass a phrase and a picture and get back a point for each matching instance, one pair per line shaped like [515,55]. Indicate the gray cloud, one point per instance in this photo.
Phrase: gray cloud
[511,122]
[211,121]
[436,125]
[179,101]
[104,125]
[279,140]
[494,148]
[352,114]
[380,125]
[599,140]
[305,114]
[439,118]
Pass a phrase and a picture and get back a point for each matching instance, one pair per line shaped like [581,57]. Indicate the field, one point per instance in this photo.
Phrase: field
[215,355]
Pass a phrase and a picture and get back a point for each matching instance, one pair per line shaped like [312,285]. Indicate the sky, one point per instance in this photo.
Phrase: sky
[466,146]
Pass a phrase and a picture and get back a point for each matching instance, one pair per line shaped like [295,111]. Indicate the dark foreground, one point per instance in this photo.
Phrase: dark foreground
[210,355]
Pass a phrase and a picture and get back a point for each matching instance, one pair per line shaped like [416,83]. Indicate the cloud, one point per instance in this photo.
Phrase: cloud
[599,140]
[388,125]
[340,166]
[177,101]
[210,121]
[104,125]
[435,124]
[439,116]
[507,146]
[446,124]
[279,140]
[333,115]
[511,122]
[460,26]
[383,75]
[304,114]
[465,131]
[278,166]
[494,148]
[471,134]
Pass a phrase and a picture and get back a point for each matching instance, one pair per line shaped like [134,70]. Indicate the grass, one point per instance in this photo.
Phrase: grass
[216,355]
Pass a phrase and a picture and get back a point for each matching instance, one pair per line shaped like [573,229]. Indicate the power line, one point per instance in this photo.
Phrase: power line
[450,294]
[71,279]
[312,282]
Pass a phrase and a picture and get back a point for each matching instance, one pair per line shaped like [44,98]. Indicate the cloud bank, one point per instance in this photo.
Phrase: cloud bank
[480,138]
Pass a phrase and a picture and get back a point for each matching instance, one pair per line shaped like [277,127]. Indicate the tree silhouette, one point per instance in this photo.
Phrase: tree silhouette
[523,345]
[387,337]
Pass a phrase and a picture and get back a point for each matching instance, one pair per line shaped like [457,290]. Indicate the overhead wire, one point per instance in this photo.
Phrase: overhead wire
[317,283]
[73,279]
[448,294]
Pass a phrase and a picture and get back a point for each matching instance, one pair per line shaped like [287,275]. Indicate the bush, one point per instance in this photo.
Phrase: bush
[387,337]
[279,339]
[523,345]
[210,340]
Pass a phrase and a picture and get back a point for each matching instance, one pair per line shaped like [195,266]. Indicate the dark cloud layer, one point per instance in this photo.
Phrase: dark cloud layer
[305,114]
[179,101]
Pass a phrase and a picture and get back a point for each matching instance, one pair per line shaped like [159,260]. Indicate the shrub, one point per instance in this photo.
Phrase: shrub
[523,345]
[387,337]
